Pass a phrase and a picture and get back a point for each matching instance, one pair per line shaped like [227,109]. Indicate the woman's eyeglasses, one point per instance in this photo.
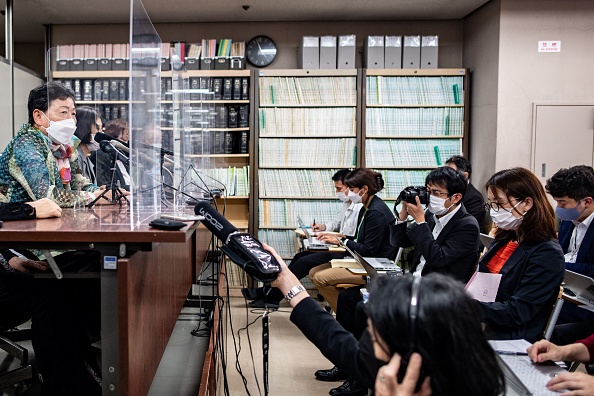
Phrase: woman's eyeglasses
[496,206]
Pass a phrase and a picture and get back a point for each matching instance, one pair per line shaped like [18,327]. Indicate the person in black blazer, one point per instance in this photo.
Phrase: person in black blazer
[472,199]
[525,252]
[447,331]
[573,191]
[452,248]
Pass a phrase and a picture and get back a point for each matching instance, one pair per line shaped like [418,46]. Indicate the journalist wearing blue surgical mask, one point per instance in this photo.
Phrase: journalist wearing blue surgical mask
[38,162]
[573,191]
[525,252]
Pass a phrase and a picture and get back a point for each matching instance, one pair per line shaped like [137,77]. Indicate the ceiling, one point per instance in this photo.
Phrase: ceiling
[29,16]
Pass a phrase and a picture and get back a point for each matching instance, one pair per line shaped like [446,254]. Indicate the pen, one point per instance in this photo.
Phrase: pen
[314,223]
[511,353]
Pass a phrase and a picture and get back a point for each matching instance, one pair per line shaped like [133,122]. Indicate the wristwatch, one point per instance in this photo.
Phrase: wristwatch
[293,292]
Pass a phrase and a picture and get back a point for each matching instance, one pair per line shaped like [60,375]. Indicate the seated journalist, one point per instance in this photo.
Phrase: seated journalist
[445,336]
[58,330]
[525,252]
[472,198]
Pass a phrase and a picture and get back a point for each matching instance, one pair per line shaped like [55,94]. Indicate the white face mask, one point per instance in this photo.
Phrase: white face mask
[505,220]
[61,131]
[355,197]
[342,196]
[437,205]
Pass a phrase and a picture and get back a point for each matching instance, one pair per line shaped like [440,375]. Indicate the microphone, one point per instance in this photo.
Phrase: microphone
[243,249]
[100,137]
[107,147]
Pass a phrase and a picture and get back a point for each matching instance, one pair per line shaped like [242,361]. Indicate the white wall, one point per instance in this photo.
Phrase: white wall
[24,81]
[481,56]
[527,76]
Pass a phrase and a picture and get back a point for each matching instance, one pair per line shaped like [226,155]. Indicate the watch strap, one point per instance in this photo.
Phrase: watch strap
[293,292]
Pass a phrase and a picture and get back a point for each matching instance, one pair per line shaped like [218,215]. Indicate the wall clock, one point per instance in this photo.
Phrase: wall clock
[261,51]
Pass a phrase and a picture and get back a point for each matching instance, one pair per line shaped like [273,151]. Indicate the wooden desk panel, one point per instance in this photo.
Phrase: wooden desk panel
[152,288]
[147,291]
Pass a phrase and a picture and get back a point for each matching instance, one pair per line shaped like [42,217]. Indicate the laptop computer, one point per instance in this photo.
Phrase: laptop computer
[313,242]
[486,239]
[373,265]
[528,378]
[579,287]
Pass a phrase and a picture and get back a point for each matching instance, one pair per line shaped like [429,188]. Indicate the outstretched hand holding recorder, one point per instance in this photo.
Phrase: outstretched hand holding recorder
[242,248]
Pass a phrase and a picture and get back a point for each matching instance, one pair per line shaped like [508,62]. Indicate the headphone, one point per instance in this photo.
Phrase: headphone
[413,311]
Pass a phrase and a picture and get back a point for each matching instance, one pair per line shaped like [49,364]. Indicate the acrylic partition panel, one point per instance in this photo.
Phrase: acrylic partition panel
[145,116]
[192,137]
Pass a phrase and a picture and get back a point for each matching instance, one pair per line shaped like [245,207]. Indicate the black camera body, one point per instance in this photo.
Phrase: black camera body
[409,194]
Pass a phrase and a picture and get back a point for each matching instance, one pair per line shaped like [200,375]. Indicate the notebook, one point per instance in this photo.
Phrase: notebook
[579,287]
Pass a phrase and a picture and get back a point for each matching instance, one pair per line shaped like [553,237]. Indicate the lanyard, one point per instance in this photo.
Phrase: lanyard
[359,226]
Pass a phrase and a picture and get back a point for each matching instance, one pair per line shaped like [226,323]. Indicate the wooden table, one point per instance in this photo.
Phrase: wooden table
[140,299]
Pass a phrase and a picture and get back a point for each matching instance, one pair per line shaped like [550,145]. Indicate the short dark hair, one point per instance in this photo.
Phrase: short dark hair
[340,175]
[462,164]
[538,224]
[116,127]
[41,96]
[576,183]
[448,178]
[86,117]
[448,330]
[365,177]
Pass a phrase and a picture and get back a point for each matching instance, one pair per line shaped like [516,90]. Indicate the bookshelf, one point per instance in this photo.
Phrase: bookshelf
[216,145]
[307,129]
[412,121]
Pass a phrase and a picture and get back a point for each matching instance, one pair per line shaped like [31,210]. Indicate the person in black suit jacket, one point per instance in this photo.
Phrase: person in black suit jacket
[447,331]
[472,199]
[450,247]
[573,190]
[525,252]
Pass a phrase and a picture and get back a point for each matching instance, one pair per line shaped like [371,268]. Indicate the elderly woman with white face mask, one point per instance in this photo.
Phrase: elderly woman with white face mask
[525,252]
[38,162]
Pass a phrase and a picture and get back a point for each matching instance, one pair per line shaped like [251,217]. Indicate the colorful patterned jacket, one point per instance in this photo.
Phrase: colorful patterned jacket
[28,172]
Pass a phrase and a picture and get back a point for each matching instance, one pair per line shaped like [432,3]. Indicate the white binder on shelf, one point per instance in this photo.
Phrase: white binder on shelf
[411,54]
[374,52]
[347,46]
[393,52]
[429,51]
[328,52]
[309,57]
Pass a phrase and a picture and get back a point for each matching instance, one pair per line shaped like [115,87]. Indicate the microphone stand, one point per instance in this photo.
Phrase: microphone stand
[116,194]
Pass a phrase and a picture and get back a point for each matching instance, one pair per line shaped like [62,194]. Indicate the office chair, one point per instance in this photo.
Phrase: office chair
[21,375]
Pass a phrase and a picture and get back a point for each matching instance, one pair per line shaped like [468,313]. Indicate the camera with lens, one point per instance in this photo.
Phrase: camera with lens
[409,194]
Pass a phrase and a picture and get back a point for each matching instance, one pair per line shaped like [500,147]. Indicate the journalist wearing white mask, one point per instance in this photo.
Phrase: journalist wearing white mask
[88,123]
[525,252]
[38,162]
[445,236]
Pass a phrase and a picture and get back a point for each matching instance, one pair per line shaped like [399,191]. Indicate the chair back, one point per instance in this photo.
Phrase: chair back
[556,306]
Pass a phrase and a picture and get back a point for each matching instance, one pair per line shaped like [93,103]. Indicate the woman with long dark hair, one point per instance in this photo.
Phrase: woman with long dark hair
[525,252]
[446,333]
